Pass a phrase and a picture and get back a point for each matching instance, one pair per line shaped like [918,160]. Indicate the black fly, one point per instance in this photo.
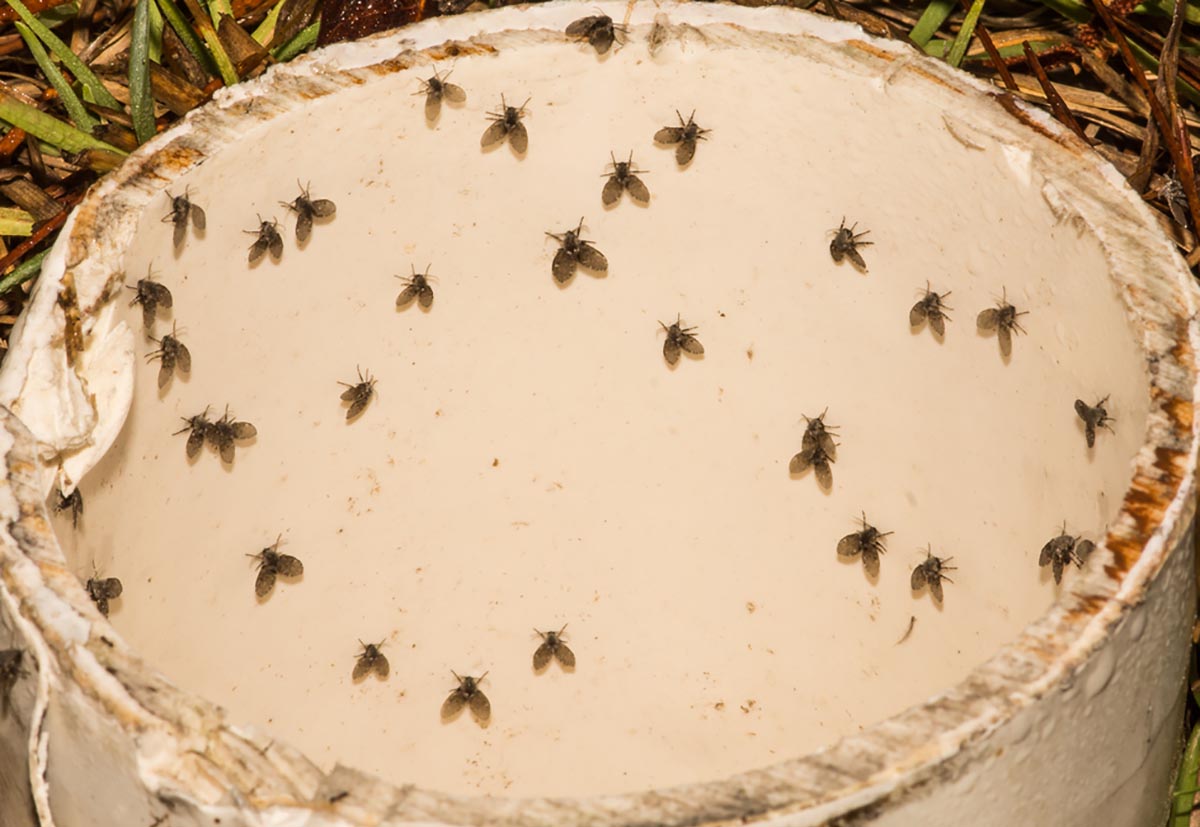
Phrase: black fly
[172,353]
[507,124]
[467,692]
[846,243]
[371,660]
[72,502]
[1095,416]
[684,136]
[598,30]
[197,427]
[817,449]
[435,90]
[268,239]
[102,590]
[306,209]
[932,308]
[10,672]
[182,209]
[222,433]
[680,338]
[416,287]
[553,646]
[150,295]
[1003,319]
[573,252]
[624,177]
[358,395]
[1064,549]
[272,564]
[929,573]
[868,543]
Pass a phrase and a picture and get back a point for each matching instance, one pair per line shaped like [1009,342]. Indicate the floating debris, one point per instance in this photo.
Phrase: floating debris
[358,395]
[846,243]
[624,178]
[553,646]
[172,353]
[272,564]
[929,573]
[306,209]
[182,209]
[103,589]
[598,30]
[1003,319]
[912,623]
[868,543]
[574,252]
[684,137]
[680,338]
[150,295]
[268,239]
[436,89]
[507,124]
[931,308]
[467,692]
[72,502]
[222,433]
[371,660]
[1095,416]
[416,287]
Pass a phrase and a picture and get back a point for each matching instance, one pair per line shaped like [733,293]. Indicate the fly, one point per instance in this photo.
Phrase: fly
[467,693]
[845,244]
[306,209]
[507,124]
[573,251]
[103,589]
[358,395]
[436,89]
[1003,319]
[416,287]
[818,450]
[150,295]
[868,543]
[371,660]
[222,433]
[624,178]
[553,646]
[680,338]
[197,428]
[172,353]
[932,308]
[182,209]
[929,573]
[1064,549]
[72,502]
[268,239]
[598,30]
[1095,416]
[684,137]
[272,564]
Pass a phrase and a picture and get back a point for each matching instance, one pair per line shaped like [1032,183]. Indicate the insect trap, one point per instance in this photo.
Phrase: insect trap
[525,420]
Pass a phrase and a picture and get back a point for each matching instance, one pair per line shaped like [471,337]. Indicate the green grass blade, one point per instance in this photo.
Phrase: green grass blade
[141,105]
[959,48]
[304,40]
[15,221]
[1070,9]
[1181,811]
[187,35]
[66,94]
[23,272]
[63,52]
[48,128]
[931,20]
[266,29]
[224,65]
[219,9]
[1151,62]
[156,33]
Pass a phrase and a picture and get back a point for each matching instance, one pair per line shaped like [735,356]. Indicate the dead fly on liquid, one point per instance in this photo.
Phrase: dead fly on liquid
[197,427]
[467,692]
[1095,416]
[932,308]
[929,573]
[507,124]
[10,672]
[598,30]
[553,646]
[573,252]
[680,338]
[416,287]
[150,295]
[1064,549]
[172,353]
[103,589]
[846,242]
[1003,319]
[435,90]
[268,239]
[222,433]
[272,564]
[306,209]
[72,502]
[182,209]
[683,136]
[371,660]
[868,543]
[817,449]
[624,177]
[358,395]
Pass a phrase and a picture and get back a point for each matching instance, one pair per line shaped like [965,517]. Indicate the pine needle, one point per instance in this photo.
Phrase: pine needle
[70,101]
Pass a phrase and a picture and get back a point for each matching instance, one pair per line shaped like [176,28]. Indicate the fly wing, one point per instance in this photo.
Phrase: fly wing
[323,208]
[425,297]
[453,703]
[264,582]
[988,319]
[1047,553]
[542,656]
[692,345]
[565,656]
[918,578]
[564,266]
[935,588]
[917,314]
[494,134]
[158,292]
[824,474]
[1057,565]
[276,242]
[685,152]
[165,371]
[112,587]
[180,230]
[671,351]
[850,545]
[602,38]
[857,258]
[453,93]
[637,189]
[1005,337]
[243,430]
[827,445]
[592,258]
[289,566]
[1089,432]
[1082,410]
[611,192]
[258,249]
[227,449]
[669,135]
[518,137]
[183,356]
[406,295]
[303,228]
[195,442]
[481,707]
[148,309]
[361,668]
[836,250]
[938,322]
[349,393]
[870,560]
[1083,551]
[382,667]
[199,219]
[102,605]
[357,407]
[800,462]
[582,27]
[433,105]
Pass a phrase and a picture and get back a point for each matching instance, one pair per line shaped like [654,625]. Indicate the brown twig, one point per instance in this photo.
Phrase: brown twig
[1058,106]
[39,235]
